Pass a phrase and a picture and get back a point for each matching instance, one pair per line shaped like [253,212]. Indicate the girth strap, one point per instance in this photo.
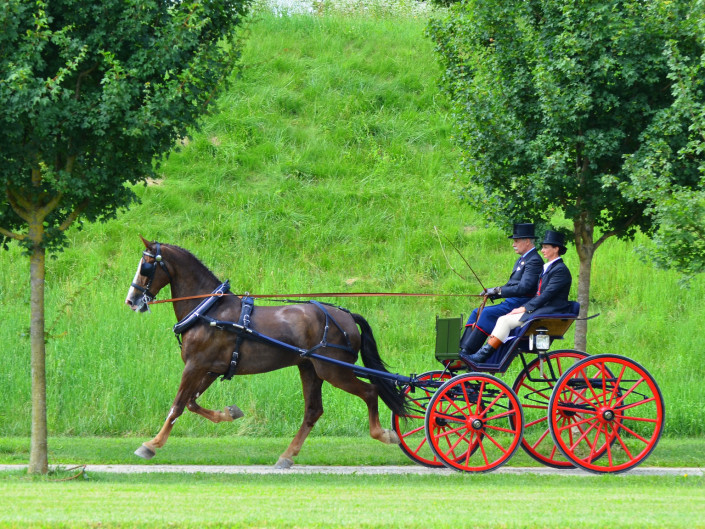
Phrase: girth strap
[248,304]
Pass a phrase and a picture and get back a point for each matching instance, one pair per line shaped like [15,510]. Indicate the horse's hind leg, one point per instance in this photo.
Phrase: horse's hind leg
[313,401]
[346,380]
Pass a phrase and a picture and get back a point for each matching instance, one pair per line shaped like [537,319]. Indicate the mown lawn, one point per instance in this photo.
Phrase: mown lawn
[318,450]
[323,501]
[443,499]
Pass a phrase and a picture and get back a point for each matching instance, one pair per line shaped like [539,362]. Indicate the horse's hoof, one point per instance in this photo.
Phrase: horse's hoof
[145,452]
[235,412]
[390,437]
[284,463]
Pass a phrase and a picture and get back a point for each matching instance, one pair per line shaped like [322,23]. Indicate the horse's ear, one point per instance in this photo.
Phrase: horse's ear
[145,242]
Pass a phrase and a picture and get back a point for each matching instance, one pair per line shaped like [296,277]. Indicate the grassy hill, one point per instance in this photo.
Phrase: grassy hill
[326,168]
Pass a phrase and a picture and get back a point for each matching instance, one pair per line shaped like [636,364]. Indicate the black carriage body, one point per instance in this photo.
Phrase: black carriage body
[521,340]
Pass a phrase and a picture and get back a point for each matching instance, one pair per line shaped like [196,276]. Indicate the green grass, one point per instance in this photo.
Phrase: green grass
[326,169]
[318,450]
[324,501]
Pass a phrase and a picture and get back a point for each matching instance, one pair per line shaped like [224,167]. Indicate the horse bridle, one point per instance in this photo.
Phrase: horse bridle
[149,269]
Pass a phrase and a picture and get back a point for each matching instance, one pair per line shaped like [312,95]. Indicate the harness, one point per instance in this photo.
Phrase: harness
[148,270]
[243,329]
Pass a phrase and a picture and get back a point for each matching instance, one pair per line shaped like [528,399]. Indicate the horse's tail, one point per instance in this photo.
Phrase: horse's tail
[389,392]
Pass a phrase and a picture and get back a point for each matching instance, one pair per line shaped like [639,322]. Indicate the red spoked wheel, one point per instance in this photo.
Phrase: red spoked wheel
[410,428]
[606,414]
[466,423]
[534,386]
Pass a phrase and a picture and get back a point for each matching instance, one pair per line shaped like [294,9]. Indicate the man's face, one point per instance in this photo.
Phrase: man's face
[521,246]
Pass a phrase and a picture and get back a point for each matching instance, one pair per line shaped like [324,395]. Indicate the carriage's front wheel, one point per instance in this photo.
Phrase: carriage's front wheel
[534,386]
[466,423]
[410,428]
[606,414]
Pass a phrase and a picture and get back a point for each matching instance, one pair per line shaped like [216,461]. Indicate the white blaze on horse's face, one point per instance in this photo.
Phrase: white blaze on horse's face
[135,299]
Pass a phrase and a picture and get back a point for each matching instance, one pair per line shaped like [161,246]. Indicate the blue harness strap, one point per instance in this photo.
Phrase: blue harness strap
[200,311]
[324,342]
[248,304]
[243,329]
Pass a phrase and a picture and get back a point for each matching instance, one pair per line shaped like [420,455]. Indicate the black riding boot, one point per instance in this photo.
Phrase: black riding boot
[471,341]
[487,350]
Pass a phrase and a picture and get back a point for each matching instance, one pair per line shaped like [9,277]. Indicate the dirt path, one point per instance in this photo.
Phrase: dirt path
[361,470]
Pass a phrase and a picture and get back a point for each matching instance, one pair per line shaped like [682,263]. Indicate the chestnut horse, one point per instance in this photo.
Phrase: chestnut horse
[207,351]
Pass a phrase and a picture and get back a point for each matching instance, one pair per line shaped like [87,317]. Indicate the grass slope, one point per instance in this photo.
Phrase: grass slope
[326,169]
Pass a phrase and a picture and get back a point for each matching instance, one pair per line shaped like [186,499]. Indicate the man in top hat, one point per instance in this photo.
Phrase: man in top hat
[551,296]
[518,290]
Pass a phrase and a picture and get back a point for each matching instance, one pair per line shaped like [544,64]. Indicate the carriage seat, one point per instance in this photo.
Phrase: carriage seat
[557,324]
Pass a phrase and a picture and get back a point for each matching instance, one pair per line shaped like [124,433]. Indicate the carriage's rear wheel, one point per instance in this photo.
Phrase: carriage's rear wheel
[466,423]
[620,413]
[410,428]
[533,386]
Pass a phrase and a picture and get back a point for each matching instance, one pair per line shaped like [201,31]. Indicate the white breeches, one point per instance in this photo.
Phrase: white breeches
[505,324]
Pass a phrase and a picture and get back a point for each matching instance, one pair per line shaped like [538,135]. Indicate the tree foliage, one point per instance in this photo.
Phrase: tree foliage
[668,170]
[551,97]
[92,93]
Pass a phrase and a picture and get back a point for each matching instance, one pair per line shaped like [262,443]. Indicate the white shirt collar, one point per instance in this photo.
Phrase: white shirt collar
[527,253]
[547,265]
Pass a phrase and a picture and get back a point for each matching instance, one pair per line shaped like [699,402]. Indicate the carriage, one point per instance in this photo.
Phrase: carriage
[602,413]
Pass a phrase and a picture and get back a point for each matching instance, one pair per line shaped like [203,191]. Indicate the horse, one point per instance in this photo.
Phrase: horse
[207,351]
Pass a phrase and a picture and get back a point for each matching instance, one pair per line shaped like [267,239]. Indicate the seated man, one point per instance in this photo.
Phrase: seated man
[517,290]
[551,297]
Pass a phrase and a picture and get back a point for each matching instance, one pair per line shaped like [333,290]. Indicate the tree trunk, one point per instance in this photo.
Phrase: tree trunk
[38,456]
[585,247]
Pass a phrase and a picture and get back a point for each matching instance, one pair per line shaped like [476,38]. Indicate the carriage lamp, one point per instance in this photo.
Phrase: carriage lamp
[542,340]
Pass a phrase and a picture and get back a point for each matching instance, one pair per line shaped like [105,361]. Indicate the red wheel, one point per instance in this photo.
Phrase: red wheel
[533,386]
[606,414]
[410,428]
[466,423]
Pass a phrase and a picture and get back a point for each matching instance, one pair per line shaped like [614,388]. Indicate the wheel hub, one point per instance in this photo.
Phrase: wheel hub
[476,424]
[606,414]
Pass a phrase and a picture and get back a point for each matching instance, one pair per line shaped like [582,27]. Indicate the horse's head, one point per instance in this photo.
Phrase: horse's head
[152,275]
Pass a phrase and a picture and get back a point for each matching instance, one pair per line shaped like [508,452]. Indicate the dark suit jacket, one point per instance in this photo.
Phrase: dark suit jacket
[555,288]
[525,276]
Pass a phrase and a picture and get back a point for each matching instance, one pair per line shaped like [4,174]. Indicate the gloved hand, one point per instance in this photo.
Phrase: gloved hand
[492,293]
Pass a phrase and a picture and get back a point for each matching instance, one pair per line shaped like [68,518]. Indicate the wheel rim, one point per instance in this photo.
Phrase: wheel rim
[466,423]
[410,429]
[616,407]
[534,392]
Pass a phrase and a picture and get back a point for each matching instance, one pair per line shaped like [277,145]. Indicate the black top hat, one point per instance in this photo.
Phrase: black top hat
[523,231]
[555,238]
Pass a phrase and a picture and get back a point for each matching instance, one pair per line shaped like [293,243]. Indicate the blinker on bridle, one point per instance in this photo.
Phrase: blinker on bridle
[149,269]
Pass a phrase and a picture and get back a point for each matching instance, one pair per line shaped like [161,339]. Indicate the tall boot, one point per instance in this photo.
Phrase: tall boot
[487,350]
[472,340]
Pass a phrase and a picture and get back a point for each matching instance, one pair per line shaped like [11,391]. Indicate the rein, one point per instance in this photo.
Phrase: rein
[315,295]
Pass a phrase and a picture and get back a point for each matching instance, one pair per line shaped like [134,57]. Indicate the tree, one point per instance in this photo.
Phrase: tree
[94,94]
[674,146]
[550,97]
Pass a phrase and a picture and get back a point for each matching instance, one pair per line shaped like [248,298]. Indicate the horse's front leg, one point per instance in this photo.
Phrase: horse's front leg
[191,380]
[229,414]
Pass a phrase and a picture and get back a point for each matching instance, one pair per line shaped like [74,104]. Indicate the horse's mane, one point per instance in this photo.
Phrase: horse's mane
[188,254]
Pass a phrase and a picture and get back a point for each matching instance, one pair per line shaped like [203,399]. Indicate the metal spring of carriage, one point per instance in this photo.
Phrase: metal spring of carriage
[602,413]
